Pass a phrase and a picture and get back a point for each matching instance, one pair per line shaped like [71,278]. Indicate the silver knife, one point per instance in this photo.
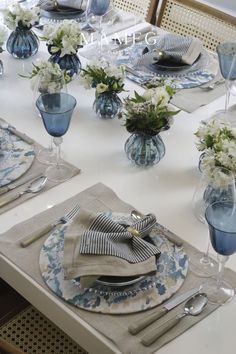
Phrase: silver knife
[19,183]
[143,323]
[13,130]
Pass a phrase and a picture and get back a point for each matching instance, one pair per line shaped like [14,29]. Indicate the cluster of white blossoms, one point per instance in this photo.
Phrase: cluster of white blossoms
[218,142]
[105,78]
[20,16]
[157,96]
[48,77]
[3,36]
[64,37]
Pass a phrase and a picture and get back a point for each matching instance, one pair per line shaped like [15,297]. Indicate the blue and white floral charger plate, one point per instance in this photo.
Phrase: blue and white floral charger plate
[16,157]
[201,72]
[149,292]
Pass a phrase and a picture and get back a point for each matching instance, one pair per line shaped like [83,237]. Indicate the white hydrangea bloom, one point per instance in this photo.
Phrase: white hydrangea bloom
[27,17]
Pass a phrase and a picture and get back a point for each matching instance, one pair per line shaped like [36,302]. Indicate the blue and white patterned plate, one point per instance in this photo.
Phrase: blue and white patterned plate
[16,157]
[147,293]
[192,76]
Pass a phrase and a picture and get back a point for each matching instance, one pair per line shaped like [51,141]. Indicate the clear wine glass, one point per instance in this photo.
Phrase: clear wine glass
[221,219]
[43,85]
[56,111]
[87,26]
[97,9]
[220,186]
[227,61]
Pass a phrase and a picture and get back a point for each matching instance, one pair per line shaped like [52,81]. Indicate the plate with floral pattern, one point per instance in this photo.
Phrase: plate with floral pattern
[149,292]
[16,157]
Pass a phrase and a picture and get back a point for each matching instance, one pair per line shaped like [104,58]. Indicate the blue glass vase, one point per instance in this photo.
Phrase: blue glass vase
[22,43]
[144,149]
[107,105]
[69,62]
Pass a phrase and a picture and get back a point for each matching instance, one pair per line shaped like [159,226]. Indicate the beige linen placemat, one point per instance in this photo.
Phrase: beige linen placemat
[114,327]
[189,100]
[36,169]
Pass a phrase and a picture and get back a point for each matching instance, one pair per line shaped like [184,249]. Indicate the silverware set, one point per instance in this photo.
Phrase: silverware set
[193,307]
[35,235]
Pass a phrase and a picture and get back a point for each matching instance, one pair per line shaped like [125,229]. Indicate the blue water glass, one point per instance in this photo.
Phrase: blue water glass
[56,110]
[99,7]
[221,218]
[227,60]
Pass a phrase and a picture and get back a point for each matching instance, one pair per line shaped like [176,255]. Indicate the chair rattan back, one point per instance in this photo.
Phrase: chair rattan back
[146,9]
[191,18]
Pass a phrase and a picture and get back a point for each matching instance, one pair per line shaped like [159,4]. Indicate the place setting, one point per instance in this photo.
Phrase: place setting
[111,264]
[22,174]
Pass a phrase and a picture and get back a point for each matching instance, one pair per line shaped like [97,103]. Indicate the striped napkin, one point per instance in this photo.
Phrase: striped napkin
[176,48]
[96,246]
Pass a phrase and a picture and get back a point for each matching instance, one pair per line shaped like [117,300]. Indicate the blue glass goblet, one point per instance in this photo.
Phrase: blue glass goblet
[221,219]
[98,8]
[56,111]
[227,61]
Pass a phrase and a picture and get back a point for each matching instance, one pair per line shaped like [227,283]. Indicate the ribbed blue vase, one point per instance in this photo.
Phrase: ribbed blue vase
[22,43]
[69,62]
[144,149]
[107,105]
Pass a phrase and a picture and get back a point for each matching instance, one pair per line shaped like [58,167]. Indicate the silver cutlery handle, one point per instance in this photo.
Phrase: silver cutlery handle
[173,240]
[137,327]
[157,332]
[9,198]
[35,235]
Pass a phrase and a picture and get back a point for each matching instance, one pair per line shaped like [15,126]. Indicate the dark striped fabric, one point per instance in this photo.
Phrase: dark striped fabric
[106,237]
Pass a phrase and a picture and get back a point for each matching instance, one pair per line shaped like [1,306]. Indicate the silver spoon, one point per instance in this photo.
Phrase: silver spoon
[34,187]
[136,216]
[193,307]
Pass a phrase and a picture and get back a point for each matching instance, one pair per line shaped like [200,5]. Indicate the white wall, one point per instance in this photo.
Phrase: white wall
[225,5]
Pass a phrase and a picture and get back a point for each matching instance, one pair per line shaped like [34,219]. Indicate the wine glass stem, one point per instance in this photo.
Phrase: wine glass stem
[205,258]
[222,260]
[51,144]
[57,141]
[100,37]
[228,89]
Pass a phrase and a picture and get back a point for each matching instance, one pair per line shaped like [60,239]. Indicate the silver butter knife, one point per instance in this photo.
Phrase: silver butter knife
[145,322]
[21,182]
[35,235]
[13,130]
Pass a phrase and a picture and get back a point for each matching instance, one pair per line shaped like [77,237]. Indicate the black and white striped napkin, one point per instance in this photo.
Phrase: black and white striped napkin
[106,237]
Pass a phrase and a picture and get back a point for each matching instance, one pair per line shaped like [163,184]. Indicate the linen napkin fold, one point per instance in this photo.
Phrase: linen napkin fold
[176,48]
[95,246]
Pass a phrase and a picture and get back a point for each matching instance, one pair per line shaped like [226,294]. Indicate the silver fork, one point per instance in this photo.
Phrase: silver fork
[35,235]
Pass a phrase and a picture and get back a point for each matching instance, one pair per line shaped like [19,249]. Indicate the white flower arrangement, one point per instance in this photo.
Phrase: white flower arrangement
[64,37]
[48,77]
[149,113]
[105,78]
[218,142]
[3,36]
[20,16]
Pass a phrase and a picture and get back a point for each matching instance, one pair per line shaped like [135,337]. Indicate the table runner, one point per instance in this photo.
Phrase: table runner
[114,327]
[36,169]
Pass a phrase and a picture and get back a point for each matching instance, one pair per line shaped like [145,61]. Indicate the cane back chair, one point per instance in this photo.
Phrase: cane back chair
[146,9]
[191,18]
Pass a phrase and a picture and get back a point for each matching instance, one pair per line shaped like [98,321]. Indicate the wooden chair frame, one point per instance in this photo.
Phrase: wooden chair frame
[191,18]
[151,13]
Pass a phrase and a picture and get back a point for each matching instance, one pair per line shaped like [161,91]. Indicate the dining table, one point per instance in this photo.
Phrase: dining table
[96,147]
